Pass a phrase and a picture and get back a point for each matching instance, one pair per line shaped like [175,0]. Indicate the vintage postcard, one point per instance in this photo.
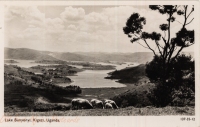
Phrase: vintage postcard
[99,63]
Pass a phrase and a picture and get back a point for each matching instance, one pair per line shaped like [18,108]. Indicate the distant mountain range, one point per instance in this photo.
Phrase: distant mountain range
[30,54]
[26,54]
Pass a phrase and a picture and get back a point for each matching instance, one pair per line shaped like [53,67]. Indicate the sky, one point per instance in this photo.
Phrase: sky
[78,28]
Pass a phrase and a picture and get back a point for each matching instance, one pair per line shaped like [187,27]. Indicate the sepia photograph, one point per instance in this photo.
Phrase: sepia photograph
[99,61]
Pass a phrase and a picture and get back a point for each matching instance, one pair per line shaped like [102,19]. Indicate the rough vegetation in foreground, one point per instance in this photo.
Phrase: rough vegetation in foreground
[129,111]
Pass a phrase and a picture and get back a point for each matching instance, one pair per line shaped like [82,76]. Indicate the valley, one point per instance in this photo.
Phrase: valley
[44,84]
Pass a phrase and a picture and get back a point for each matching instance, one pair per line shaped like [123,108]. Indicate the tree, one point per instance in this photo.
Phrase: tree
[165,45]
[184,38]
[180,83]
[169,48]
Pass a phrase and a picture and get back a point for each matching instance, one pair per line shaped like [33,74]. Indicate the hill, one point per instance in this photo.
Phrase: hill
[22,88]
[26,54]
[30,54]
[129,75]
[139,57]
[74,57]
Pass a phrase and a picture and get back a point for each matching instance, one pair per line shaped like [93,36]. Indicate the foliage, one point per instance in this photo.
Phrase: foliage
[36,79]
[137,96]
[179,81]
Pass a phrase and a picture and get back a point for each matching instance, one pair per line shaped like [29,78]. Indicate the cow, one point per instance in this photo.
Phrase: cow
[97,103]
[80,103]
[114,105]
[108,106]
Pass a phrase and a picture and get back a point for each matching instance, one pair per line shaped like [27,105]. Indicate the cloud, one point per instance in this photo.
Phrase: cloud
[75,30]
[28,14]
[72,27]
[97,18]
[54,26]
[72,14]
[30,33]
[88,37]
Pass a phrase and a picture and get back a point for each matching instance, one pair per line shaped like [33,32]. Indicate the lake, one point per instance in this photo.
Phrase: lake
[93,79]
[25,63]
[87,78]
[96,78]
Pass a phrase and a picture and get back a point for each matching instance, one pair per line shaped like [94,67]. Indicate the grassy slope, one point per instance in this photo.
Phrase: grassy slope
[22,96]
[129,111]
[20,91]
[135,97]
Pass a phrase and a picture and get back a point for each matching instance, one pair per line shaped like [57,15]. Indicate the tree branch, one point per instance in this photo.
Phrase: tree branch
[179,51]
[189,22]
[185,17]
[149,47]
[158,48]
[190,13]
[167,46]
[164,40]
[142,45]
[171,51]
[136,35]
[179,22]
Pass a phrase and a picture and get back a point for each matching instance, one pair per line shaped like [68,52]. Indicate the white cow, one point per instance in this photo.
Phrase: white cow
[80,103]
[114,105]
[108,106]
[97,103]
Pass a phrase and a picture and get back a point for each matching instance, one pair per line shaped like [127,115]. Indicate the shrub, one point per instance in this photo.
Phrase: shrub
[173,81]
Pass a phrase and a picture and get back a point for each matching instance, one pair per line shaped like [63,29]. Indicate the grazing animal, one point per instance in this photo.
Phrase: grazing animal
[80,103]
[97,103]
[114,105]
[108,106]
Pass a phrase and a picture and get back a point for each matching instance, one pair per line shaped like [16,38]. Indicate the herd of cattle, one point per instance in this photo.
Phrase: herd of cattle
[80,103]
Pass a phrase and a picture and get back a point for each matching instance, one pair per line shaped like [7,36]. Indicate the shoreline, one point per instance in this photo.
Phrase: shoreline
[103,93]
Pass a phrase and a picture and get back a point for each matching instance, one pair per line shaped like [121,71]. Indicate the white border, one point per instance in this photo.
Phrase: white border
[111,121]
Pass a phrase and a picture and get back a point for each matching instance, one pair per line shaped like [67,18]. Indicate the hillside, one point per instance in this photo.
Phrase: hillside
[139,57]
[26,54]
[137,97]
[128,75]
[22,88]
[30,54]
[74,57]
